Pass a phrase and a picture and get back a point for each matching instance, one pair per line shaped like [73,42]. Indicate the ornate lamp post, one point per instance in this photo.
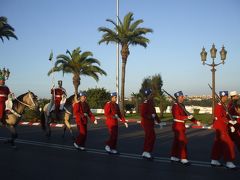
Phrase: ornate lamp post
[213,52]
[5,73]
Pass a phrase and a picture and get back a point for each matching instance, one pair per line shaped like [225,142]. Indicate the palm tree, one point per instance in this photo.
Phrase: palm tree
[6,30]
[79,64]
[126,33]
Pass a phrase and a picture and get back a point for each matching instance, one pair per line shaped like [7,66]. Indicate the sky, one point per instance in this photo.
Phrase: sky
[180,30]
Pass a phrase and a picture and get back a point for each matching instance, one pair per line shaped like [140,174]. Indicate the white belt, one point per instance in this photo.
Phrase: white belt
[176,120]
[3,95]
[58,96]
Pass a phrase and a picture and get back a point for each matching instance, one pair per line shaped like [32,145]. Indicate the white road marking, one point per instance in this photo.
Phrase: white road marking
[102,152]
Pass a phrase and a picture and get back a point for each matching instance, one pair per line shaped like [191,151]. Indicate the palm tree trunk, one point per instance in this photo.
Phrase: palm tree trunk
[122,102]
[76,83]
[124,53]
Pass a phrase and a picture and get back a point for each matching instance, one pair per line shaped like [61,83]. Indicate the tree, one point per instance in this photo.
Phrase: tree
[126,33]
[155,83]
[6,30]
[79,64]
[97,97]
[136,99]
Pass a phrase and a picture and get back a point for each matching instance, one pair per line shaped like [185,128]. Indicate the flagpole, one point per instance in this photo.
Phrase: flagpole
[53,79]
[117,71]
[51,59]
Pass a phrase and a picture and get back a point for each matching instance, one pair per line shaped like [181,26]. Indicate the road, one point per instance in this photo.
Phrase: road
[39,158]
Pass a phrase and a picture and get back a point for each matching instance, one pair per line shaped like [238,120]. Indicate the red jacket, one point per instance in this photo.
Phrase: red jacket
[111,110]
[180,116]
[221,119]
[4,92]
[57,93]
[231,109]
[147,109]
[80,110]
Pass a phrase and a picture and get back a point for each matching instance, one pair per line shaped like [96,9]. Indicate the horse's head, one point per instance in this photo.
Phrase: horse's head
[30,100]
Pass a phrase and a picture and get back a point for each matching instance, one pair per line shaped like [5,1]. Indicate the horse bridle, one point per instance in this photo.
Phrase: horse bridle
[31,98]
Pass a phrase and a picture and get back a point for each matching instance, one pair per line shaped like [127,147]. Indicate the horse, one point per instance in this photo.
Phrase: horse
[12,118]
[64,115]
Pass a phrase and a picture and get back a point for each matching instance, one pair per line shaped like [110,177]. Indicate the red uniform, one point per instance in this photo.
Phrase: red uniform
[57,95]
[235,136]
[147,110]
[4,92]
[82,112]
[179,147]
[223,145]
[111,110]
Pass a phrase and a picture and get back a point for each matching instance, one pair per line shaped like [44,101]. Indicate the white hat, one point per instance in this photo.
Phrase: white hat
[233,93]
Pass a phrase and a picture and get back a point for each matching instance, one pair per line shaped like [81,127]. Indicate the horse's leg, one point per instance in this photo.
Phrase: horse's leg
[14,135]
[68,125]
[48,128]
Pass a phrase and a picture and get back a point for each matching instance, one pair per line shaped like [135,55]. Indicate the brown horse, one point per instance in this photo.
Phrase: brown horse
[64,115]
[28,99]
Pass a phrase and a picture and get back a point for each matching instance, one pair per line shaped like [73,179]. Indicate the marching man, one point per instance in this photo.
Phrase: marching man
[235,131]
[58,98]
[223,145]
[4,92]
[234,123]
[148,118]
[180,116]
[82,114]
[113,115]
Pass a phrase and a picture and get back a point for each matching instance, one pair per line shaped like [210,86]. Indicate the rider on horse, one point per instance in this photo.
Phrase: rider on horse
[5,96]
[58,100]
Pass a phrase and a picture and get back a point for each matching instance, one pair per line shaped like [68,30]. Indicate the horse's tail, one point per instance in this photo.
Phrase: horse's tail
[43,121]
[43,118]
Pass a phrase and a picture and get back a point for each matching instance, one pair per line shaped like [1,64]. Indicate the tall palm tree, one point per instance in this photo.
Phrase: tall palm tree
[79,64]
[126,33]
[6,30]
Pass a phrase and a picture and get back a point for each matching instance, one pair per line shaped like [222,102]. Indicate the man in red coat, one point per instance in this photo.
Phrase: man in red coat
[180,116]
[82,115]
[58,95]
[148,118]
[113,115]
[4,92]
[223,145]
[234,125]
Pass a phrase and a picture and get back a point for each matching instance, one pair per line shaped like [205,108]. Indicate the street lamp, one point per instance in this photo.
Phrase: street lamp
[213,52]
[5,73]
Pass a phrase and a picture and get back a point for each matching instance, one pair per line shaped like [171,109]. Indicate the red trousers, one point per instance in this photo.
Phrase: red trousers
[150,137]
[235,136]
[82,136]
[113,136]
[2,110]
[223,146]
[236,140]
[179,146]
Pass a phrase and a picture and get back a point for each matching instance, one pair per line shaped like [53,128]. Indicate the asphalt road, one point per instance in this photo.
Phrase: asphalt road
[39,158]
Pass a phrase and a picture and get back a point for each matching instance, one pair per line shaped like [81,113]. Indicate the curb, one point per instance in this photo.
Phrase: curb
[188,126]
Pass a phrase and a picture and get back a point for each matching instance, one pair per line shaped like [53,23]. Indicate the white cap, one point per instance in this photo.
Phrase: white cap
[233,93]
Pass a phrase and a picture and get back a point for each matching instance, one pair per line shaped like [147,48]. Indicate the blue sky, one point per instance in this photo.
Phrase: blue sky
[181,29]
